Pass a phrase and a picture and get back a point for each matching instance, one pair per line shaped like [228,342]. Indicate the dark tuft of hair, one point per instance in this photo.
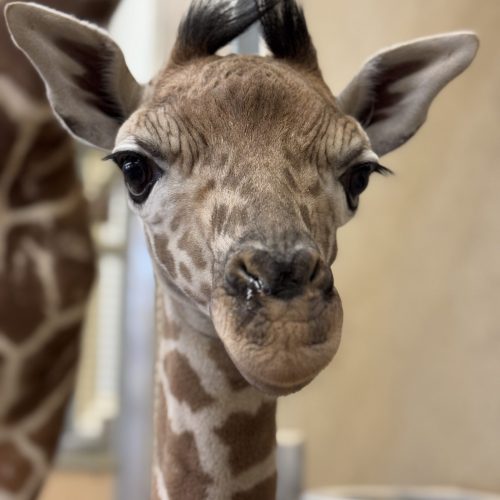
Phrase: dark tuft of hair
[285,31]
[211,24]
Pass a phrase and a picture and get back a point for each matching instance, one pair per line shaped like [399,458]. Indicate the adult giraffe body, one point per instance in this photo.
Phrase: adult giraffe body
[241,168]
[46,267]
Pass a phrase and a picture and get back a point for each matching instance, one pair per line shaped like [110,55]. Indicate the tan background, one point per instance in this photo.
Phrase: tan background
[414,393]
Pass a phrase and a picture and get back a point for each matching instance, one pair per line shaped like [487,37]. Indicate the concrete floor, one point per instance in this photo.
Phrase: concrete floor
[79,486]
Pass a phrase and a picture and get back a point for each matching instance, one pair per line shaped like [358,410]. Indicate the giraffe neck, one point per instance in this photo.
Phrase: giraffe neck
[46,267]
[46,271]
[215,434]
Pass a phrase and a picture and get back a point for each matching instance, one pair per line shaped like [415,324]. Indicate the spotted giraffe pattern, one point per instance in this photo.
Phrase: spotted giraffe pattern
[46,268]
[216,433]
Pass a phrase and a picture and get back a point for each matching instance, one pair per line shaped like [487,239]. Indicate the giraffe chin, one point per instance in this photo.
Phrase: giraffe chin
[278,346]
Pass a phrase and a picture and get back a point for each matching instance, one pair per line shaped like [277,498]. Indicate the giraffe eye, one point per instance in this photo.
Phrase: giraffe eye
[356,179]
[139,172]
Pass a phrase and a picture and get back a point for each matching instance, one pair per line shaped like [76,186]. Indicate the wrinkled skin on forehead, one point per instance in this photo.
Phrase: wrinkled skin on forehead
[252,152]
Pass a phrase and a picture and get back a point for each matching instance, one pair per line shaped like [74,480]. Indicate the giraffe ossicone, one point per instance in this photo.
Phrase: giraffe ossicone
[241,168]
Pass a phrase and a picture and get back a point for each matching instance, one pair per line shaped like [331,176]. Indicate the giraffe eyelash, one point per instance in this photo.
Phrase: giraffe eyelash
[111,156]
[380,169]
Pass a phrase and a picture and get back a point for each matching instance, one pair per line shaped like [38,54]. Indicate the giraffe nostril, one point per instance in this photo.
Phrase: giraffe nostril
[315,271]
[239,277]
[251,279]
[307,265]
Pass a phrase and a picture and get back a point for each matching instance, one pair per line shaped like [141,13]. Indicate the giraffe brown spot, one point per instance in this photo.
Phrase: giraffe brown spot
[206,290]
[218,218]
[185,382]
[185,272]
[265,490]
[14,468]
[220,357]
[178,459]
[47,435]
[56,179]
[22,300]
[250,438]
[175,222]
[196,255]
[201,301]
[203,192]
[184,242]
[42,372]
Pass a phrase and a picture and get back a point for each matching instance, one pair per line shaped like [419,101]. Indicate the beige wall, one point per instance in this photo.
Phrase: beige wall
[414,393]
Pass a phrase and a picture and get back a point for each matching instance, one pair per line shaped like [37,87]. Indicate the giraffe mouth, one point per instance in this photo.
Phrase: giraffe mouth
[279,346]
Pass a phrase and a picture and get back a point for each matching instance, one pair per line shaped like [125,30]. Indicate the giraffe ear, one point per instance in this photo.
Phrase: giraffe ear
[392,93]
[88,82]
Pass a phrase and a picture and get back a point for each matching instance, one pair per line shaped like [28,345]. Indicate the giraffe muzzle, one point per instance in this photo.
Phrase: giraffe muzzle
[278,315]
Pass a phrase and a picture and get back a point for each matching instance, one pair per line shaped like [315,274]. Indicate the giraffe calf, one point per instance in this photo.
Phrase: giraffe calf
[242,168]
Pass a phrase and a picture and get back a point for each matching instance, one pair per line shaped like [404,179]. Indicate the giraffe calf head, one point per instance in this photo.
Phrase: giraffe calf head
[241,167]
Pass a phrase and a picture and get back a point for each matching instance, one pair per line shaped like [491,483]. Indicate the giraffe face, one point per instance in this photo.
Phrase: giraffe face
[241,172]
